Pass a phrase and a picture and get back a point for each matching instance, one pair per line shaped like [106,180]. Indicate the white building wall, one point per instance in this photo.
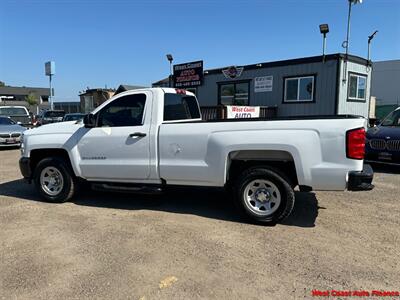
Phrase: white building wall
[353,107]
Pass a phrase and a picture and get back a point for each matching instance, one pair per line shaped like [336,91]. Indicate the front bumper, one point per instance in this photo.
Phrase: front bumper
[361,180]
[25,167]
[383,157]
[10,145]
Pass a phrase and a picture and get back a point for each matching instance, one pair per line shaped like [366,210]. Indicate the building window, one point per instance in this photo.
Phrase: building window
[299,89]
[357,87]
[234,93]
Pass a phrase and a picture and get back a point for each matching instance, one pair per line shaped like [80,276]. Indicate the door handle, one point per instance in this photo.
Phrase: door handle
[138,134]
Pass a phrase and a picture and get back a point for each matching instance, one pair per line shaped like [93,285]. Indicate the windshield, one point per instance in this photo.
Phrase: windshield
[393,119]
[73,117]
[12,111]
[54,114]
[6,121]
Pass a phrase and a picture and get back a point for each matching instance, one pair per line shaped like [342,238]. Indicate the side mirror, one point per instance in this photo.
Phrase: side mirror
[373,122]
[89,120]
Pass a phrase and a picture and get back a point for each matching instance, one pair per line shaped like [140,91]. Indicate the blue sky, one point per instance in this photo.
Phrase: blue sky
[105,42]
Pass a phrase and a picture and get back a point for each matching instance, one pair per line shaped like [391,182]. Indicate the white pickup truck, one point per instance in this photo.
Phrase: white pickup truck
[150,139]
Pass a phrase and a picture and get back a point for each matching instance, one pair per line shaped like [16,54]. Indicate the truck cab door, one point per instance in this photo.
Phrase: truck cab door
[118,147]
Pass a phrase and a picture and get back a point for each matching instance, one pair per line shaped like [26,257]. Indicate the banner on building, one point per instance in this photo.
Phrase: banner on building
[188,74]
[239,112]
[263,84]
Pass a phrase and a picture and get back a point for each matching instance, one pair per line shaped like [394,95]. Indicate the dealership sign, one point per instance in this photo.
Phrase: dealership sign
[188,74]
[232,72]
[239,112]
[263,84]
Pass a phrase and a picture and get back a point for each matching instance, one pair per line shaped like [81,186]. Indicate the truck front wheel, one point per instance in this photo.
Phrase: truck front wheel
[263,195]
[54,180]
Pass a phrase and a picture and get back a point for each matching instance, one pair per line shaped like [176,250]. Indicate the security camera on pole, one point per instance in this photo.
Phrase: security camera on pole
[50,69]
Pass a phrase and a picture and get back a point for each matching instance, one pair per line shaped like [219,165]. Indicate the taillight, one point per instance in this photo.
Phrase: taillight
[355,143]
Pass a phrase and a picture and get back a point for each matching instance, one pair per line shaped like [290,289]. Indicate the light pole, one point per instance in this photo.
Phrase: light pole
[324,29]
[50,70]
[369,44]
[170,59]
[346,42]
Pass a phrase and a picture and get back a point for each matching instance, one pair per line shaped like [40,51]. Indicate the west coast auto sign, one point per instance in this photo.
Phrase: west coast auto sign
[188,74]
[240,112]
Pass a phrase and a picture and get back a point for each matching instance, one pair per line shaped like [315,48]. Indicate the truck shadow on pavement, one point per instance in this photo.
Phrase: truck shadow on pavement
[208,203]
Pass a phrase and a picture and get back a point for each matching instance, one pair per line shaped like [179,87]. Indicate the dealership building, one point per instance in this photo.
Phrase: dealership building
[318,85]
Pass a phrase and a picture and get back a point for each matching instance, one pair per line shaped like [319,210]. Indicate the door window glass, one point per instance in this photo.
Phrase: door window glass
[124,111]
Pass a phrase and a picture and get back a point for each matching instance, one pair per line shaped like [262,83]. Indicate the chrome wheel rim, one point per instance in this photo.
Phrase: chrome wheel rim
[51,181]
[262,197]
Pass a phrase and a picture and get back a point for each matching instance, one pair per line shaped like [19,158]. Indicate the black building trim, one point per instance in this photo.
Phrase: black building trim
[297,61]
[338,72]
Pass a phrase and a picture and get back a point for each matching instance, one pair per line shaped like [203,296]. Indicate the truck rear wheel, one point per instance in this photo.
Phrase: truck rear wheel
[263,195]
[54,180]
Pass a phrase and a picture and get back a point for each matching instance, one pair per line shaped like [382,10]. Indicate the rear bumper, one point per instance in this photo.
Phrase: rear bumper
[25,167]
[361,180]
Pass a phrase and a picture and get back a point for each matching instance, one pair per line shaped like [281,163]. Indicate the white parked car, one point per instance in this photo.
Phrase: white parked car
[19,114]
[147,140]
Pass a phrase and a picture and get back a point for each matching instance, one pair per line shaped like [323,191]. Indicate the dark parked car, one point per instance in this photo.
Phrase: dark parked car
[50,116]
[383,140]
[73,117]
[10,132]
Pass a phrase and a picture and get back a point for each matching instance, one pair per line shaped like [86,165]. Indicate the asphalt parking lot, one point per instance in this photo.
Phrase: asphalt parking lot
[191,244]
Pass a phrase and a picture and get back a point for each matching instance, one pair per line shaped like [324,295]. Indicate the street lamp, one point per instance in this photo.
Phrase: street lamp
[369,44]
[324,29]
[170,59]
[346,42]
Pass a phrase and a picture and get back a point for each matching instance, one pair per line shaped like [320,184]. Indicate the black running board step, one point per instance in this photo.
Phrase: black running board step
[127,188]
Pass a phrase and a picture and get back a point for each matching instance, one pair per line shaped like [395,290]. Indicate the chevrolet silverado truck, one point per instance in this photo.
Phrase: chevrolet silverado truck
[150,139]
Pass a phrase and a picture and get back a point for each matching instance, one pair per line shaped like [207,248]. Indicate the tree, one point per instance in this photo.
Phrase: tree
[2,83]
[31,99]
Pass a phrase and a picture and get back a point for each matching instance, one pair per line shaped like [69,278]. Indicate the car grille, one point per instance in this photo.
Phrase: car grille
[4,135]
[377,144]
[15,134]
[392,145]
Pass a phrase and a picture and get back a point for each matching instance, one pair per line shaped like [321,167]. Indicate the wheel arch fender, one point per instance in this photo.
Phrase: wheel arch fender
[276,157]
[36,155]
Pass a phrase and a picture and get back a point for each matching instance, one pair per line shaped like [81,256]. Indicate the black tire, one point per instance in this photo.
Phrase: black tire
[287,198]
[69,183]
